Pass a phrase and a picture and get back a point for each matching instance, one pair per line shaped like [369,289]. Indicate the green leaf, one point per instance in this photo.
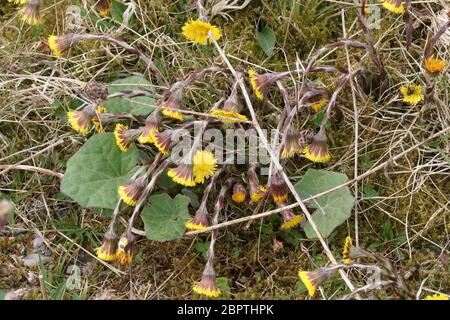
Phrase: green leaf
[136,106]
[333,208]
[118,8]
[165,217]
[222,283]
[96,171]
[370,192]
[266,39]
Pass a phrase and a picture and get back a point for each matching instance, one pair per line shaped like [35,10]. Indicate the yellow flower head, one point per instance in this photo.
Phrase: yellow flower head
[394,6]
[293,143]
[205,165]
[173,114]
[59,44]
[319,105]
[124,253]
[96,118]
[228,116]
[317,150]
[258,194]
[123,137]
[256,83]
[198,30]
[278,188]
[151,127]
[346,250]
[107,252]
[312,279]
[31,12]
[191,225]
[412,93]
[434,64]
[436,297]
[131,192]
[239,193]
[207,285]
[162,141]
[183,175]
[200,220]
[103,7]
[80,121]
[290,221]
[18,1]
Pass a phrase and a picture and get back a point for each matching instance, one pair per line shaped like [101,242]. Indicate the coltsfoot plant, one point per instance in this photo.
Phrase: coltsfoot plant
[144,128]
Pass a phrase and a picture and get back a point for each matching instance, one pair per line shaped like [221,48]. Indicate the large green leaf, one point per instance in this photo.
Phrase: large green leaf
[333,208]
[138,105]
[95,172]
[164,219]
[266,39]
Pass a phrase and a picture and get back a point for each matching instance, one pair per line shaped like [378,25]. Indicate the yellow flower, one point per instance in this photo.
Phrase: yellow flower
[197,31]
[53,45]
[255,83]
[259,194]
[346,250]
[79,120]
[212,292]
[31,12]
[236,117]
[183,175]
[394,6]
[200,220]
[436,297]
[412,93]
[124,253]
[312,279]
[207,285]
[292,222]
[130,192]
[434,64]
[103,7]
[123,137]
[173,114]
[293,143]
[205,164]
[305,277]
[107,252]
[18,1]
[190,225]
[317,150]
[278,188]
[239,193]
[162,141]
[319,105]
[96,120]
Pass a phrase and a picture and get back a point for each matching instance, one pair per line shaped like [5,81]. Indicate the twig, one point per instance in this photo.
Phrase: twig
[31,168]
[153,68]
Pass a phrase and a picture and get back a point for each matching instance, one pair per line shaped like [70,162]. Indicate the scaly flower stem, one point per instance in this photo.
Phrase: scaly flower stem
[371,49]
[148,189]
[220,204]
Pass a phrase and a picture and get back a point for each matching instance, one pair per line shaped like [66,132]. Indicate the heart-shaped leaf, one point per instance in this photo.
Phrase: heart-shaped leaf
[333,208]
[96,171]
[165,217]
